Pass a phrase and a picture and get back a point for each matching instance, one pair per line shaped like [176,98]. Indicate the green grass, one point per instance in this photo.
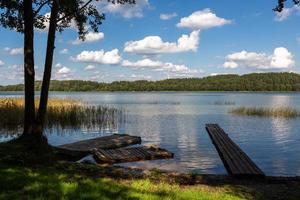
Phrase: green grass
[282,112]
[61,113]
[21,179]
[24,183]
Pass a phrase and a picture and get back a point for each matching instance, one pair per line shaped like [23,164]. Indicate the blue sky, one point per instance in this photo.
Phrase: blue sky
[168,39]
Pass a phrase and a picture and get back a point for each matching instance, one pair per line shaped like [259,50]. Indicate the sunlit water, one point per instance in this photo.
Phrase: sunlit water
[176,121]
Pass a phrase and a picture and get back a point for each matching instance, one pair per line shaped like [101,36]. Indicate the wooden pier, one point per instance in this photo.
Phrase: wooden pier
[106,142]
[131,154]
[108,149]
[235,160]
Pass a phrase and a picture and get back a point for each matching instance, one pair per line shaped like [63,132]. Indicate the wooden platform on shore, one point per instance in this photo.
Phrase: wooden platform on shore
[235,160]
[106,142]
[131,154]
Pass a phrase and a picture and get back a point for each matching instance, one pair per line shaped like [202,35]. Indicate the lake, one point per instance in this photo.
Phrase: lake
[176,121]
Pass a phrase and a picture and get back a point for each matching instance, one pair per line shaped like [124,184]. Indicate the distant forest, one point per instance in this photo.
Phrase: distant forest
[249,82]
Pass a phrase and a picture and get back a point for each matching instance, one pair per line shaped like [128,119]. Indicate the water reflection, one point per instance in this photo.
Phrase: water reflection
[176,121]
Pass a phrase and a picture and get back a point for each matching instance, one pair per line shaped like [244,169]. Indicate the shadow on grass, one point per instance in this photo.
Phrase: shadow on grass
[24,183]
[28,184]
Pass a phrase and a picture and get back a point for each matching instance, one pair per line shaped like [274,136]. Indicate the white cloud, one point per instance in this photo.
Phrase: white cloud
[203,19]
[47,23]
[1,63]
[158,66]
[298,40]
[89,38]
[286,13]
[64,70]
[155,45]
[16,51]
[64,51]
[100,57]
[168,16]
[140,77]
[89,67]
[126,10]
[280,59]
[214,74]
[58,65]
[230,64]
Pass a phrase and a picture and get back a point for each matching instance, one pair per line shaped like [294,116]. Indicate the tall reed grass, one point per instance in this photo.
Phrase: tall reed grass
[283,112]
[61,113]
[226,103]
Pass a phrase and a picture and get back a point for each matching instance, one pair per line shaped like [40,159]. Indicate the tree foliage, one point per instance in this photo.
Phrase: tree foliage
[281,4]
[25,15]
[248,82]
[83,13]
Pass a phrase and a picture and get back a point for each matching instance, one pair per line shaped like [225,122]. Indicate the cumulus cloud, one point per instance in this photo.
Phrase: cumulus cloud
[58,65]
[126,10]
[1,63]
[140,77]
[280,59]
[286,13]
[167,16]
[203,19]
[89,38]
[64,70]
[89,67]
[64,51]
[14,51]
[100,57]
[155,45]
[158,66]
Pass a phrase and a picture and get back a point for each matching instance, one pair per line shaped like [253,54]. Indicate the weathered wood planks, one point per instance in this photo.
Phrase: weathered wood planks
[106,142]
[235,160]
[131,154]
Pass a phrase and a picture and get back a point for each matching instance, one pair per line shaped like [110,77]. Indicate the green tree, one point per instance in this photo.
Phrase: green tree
[25,15]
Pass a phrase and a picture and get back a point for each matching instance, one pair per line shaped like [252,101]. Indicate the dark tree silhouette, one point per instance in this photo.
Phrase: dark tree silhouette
[25,15]
[280,5]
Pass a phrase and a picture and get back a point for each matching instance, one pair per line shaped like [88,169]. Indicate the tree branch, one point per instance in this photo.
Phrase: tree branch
[40,7]
[80,9]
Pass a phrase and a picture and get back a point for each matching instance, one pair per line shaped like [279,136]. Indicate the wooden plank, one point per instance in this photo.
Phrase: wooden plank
[231,152]
[132,154]
[106,142]
[235,160]
[247,164]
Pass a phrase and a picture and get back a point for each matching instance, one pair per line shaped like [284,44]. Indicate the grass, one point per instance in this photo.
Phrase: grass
[82,181]
[37,178]
[53,183]
[61,113]
[282,112]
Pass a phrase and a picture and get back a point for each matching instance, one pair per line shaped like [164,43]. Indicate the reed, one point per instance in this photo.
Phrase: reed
[283,112]
[227,103]
[61,113]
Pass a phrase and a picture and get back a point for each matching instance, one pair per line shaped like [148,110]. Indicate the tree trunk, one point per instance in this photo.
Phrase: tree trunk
[29,115]
[40,119]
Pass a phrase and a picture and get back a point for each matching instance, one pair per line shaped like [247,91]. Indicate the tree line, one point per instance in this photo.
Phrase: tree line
[232,82]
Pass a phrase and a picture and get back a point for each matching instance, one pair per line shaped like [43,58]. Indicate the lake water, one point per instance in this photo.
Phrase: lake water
[176,121]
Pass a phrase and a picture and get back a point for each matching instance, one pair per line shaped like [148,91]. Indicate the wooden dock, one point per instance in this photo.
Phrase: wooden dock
[106,142]
[235,160]
[131,154]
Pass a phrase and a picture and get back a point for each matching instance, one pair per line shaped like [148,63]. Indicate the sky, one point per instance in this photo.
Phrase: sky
[160,39]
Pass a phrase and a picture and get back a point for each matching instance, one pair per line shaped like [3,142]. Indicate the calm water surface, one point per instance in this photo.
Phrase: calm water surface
[176,121]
